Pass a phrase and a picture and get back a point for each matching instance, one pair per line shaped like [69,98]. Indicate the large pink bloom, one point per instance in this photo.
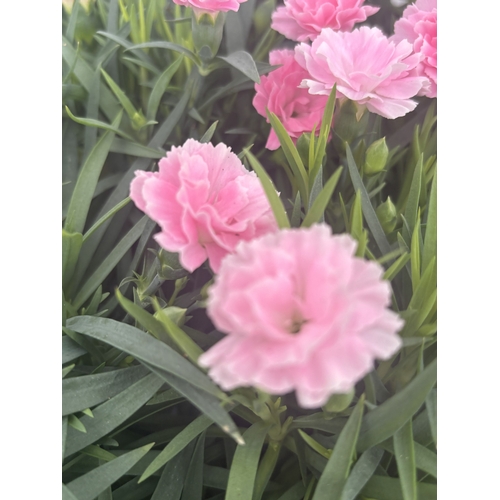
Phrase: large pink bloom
[419,26]
[205,202]
[300,312]
[303,20]
[367,68]
[211,5]
[298,110]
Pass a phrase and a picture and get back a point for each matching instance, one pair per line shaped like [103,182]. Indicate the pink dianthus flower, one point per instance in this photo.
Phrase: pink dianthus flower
[303,20]
[419,26]
[211,6]
[297,110]
[205,202]
[301,313]
[367,68]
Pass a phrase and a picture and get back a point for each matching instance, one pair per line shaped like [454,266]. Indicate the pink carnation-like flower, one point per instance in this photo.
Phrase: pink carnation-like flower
[300,312]
[367,68]
[211,6]
[303,20]
[297,110]
[419,26]
[205,202]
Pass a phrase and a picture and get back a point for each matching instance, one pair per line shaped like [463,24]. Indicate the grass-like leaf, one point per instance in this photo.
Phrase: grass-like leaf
[193,486]
[79,393]
[173,475]
[412,203]
[88,486]
[67,494]
[415,255]
[387,488]
[110,262]
[112,413]
[243,471]
[160,87]
[272,196]
[105,217]
[397,266]
[143,347]
[207,136]
[430,242]
[167,45]
[317,210]
[178,443]
[431,404]
[135,149]
[382,422]
[361,472]
[243,61]
[333,479]
[87,182]
[368,210]
[71,246]
[292,155]
[405,458]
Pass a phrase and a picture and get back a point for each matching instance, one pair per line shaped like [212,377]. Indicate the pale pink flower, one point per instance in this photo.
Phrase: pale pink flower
[367,68]
[300,313]
[303,20]
[297,110]
[419,26]
[204,201]
[211,6]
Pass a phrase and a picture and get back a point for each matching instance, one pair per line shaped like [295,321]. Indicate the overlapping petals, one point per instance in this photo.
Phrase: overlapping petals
[297,110]
[303,20]
[205,202]
[367,68]
[300,313]
[418,25]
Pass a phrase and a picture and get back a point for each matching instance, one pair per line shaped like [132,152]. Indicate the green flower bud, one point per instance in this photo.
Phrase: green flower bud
[376,157]
[262,16]
[387,215]
[207,32]
[338,402]
[175,314]
[171,268]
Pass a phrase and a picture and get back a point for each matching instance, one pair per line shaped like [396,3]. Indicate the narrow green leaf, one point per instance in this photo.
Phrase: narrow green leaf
[67,494]
[89,122]
[361,472]
[243,471]
[105,217]
[396,267]
[431,404]
[76,424]
[425,459]
[144,347]
[368,210]
[88,486]
[112,413]
[324,132]
[387,488]
[70,30]
[296,492]
[268,186]
[243,61]
[71,246]
[160,87]
[64,434]
[98,452]
[382,422]
[318,448]
[85,74]
[79,393]
[193,485]
[109,263]
[209,405]
[266,468]
[296,212]
[178,443]
[207,136]
[405,458]
[135,149]
[87,182]
[173,476]
[292,155]
[430,241]
[120,95]
[71,350]
[412,203]
[166,45]
[316,211]
[67,369]
[415,256]
[332,480]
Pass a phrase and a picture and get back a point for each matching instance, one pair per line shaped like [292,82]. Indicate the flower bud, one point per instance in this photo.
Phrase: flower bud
[262,16]
[207,28]
[376,157]
[170,267]
[387,215]
[175,314]
[338,402]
